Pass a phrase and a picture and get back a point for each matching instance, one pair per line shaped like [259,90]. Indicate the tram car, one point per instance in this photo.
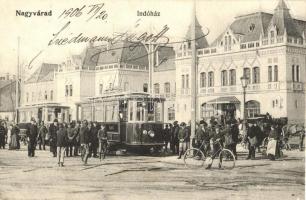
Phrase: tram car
[134,121]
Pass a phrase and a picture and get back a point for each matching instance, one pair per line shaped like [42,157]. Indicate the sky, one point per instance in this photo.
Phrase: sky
[35,32]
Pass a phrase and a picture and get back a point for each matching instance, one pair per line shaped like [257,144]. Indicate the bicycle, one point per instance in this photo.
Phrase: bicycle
[195,157]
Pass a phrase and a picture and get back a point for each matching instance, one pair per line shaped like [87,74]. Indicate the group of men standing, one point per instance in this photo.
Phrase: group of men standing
[206,134]
[67,139]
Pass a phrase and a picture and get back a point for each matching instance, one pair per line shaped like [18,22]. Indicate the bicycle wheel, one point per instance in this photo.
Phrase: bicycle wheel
[226,159]
[194,158]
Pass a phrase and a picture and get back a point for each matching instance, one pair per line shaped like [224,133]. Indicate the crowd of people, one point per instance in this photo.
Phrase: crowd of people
[88,138]
[65,139]
[206,135]
[229,132]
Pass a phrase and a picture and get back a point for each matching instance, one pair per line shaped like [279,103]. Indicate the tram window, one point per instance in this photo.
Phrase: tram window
[150,108]
[111,111]
[131,110]
[123,110]
[139,112]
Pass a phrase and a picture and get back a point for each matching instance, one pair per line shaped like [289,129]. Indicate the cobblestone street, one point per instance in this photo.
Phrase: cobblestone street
[144,177]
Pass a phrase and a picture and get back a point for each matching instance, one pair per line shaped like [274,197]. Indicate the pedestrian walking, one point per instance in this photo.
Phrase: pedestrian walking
[32,136]
[43,131]
[84,141]
[61,141]
[53,134]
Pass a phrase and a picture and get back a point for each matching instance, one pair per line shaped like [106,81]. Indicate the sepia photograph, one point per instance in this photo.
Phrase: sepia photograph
[152,99]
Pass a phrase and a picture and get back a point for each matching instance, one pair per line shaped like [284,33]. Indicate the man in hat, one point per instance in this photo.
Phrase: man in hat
[53,136]
[183,139]
[84,141]
[42,135]
[174,143]
[202,136]
[32,136]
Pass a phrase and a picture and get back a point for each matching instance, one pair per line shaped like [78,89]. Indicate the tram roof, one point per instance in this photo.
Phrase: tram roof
[127,95]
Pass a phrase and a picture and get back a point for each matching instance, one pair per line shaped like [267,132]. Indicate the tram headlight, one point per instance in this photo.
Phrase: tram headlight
[151,134]
[144,132]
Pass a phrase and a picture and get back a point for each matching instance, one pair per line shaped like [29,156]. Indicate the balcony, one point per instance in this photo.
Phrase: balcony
[297,86]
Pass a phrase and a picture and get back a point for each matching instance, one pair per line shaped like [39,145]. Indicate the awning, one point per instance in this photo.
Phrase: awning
[224,100]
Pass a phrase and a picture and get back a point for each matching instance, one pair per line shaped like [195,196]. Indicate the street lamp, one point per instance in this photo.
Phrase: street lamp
[244,83]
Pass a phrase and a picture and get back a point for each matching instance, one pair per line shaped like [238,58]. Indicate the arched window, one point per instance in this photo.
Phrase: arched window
[145,87]
[270,74]
[210,79]
[252,108]
[46,95]
[256,75]
[202,79]
[156,88]
[247,73]
[232,77]
[224,78]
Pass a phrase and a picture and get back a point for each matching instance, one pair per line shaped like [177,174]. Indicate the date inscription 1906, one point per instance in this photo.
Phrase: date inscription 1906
[94,11]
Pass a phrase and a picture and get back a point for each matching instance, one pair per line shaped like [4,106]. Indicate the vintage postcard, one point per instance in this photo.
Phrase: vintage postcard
[152,99]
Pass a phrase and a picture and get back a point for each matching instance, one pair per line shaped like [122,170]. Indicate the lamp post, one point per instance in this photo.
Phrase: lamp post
[244,83]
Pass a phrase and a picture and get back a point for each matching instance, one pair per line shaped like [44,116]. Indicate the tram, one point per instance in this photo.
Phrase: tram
[134,121]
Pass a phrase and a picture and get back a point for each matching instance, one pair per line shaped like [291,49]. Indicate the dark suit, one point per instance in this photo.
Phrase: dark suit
[53,138]
[32,136]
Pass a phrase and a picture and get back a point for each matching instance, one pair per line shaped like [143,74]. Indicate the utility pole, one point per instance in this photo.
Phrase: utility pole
[193,75]
[17,83]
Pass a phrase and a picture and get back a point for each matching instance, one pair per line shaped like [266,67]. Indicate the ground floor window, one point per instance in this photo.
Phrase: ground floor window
[207,110]
[171,114]
[252,108]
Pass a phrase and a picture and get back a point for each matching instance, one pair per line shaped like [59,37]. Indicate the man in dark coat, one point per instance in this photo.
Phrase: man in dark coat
[94,140]
[252,141]
[53,134]
[166,136]
[32,136]
[76,138]
[201,136]
[42,135]
[84,141]
[183,139]
[61,141]
[175,139]
[3,134]
[235,135]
